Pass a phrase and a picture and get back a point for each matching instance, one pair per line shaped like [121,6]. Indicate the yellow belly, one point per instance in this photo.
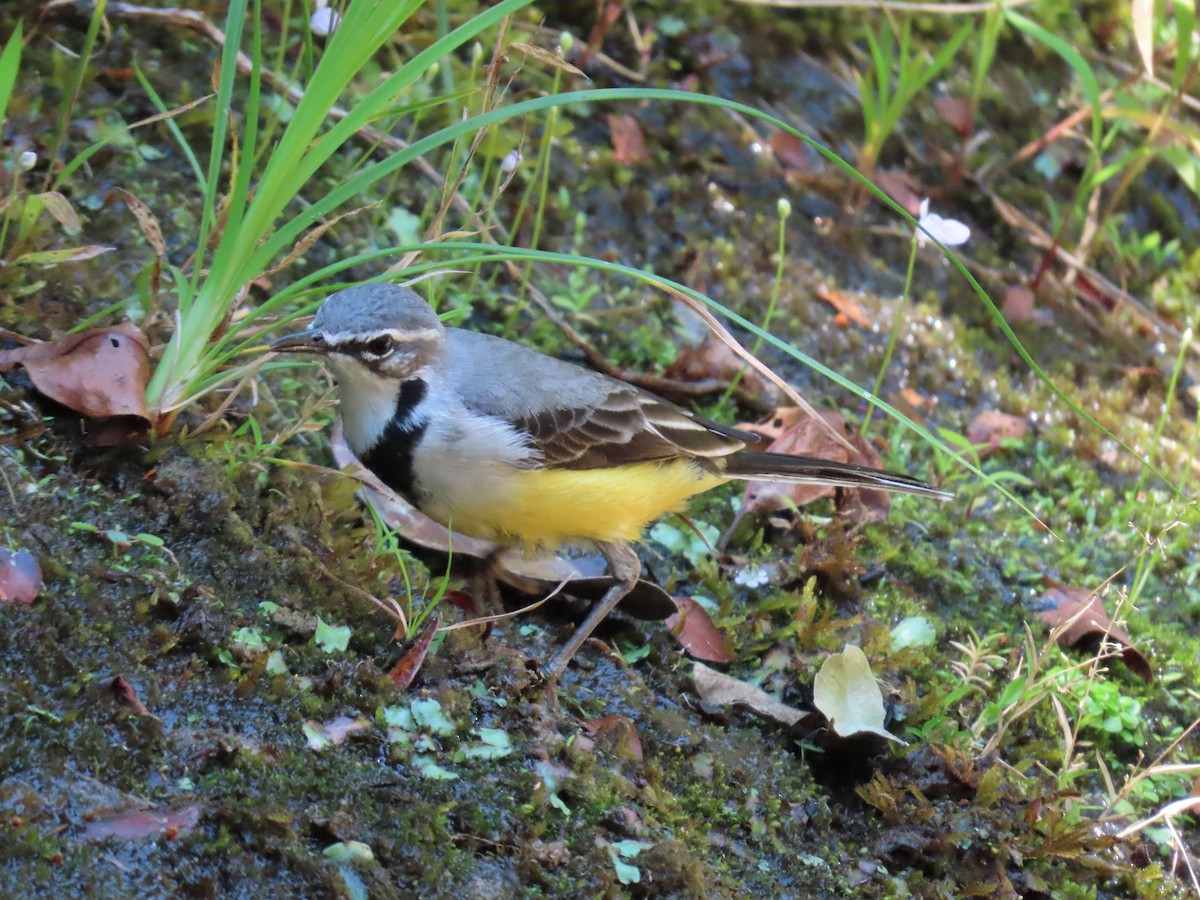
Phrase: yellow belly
[547,507]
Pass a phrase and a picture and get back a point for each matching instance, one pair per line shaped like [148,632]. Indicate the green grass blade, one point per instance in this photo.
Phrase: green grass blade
[10,62]
[184,147]
[224,105]
[85,56]
[1074,59]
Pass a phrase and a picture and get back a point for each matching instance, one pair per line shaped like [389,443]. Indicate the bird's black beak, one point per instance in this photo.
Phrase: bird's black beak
[307,341]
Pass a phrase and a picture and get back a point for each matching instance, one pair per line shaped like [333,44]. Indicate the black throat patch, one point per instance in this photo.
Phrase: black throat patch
[391,459]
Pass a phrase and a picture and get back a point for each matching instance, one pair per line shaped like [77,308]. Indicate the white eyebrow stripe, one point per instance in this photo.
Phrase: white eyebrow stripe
[421,335]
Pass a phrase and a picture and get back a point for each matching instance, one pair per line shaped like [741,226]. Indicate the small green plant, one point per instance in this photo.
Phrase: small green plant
[1102,708]
[416,608]
[22,208]
[122,542]
[899,71]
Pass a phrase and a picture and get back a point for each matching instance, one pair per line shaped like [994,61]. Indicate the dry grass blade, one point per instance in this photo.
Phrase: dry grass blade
[1176,808]
[718,328]
[542,55]
[171,113]
[315,234]
[147,221]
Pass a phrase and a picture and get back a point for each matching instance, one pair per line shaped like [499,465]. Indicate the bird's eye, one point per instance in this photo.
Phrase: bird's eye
[380,346]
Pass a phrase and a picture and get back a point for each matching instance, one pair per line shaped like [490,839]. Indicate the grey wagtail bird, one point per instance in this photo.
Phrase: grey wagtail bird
[497,441]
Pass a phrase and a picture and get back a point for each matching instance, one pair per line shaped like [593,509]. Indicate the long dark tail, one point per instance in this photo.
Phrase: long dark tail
[753,466]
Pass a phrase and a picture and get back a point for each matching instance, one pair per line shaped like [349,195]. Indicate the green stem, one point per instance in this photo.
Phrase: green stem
[785,210]
[897,324]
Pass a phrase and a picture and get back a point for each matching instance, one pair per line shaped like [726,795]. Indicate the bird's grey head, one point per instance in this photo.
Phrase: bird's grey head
[382,330]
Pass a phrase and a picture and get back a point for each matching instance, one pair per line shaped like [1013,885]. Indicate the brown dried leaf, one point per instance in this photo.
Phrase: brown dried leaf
[955,112]
[696,633]
[403,672]
[991,427]
[911,403]
[801,435]
[126,695]
[20,576]
[902,188]
[1089,625]
[773,426]
[99,373]
[616,735]
[629,147]
[724,690]
[713,359]
[792,152]
[844,305]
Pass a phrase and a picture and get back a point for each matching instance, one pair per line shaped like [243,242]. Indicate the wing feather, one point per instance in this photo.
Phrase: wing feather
[574,418]
[627,426]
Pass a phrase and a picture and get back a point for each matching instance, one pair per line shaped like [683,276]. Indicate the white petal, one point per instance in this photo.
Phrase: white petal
[323,21]
[950,232]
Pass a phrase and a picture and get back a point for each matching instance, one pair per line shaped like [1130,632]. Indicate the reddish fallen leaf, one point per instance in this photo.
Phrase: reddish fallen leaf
[1018,303]
[990,428]
[845,305]
[616,735]
[696,633]
[140,824]
[403,672]
[911,403]
[713,359]
[724,690]
[99,373]
[20,576]
[774,425]
[902,188]
[1089,625]
[126,695]
[629,146]
[792,152]
[801,435]
[955,112]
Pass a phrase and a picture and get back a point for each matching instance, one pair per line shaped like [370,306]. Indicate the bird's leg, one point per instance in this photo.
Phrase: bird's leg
[483,587]
[625,567]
